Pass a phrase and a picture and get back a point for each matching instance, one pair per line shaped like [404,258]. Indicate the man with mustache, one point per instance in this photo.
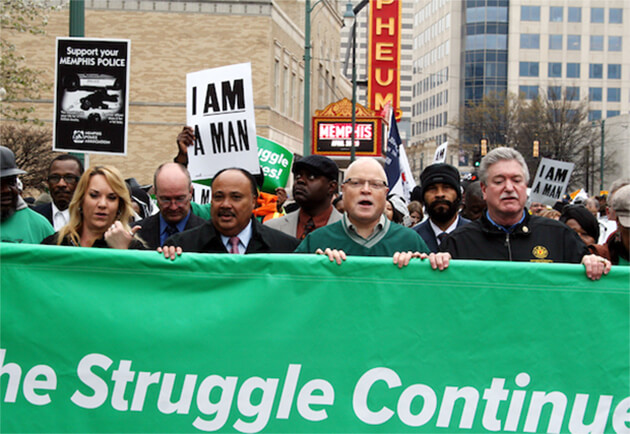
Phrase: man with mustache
[63,175]
[232,228]
[507,232]
[442,195]
[314,184]
[18,223]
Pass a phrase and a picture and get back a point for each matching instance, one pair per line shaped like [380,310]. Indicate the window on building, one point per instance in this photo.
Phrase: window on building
[555,42]
[615,15]
[573,70]
[574,42]
[614,43]
[300,99]
[555,14]
[574,15]
[595,70]
[573,93]
[555,69]
[554,93]
[594,93]
[597,15]
[530,13]
[594,115]
[528,69]
[614,94]
[276,82]
[285,88]
[531,40]
[528,92]
[612,113]
[597,43]
[614,71]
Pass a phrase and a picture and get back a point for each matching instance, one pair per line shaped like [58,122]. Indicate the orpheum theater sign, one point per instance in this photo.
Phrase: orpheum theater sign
[332,131]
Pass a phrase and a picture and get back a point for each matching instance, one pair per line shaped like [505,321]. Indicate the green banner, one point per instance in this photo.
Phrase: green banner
[99,340]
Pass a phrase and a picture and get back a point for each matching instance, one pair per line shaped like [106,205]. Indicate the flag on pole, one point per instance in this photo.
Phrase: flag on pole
[399,177]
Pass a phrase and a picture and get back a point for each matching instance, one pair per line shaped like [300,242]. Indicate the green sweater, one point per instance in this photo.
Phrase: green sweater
[393,238]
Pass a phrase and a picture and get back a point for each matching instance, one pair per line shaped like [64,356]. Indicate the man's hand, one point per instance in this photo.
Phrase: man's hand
[170,252]
[185,139]
[282,197]
[438,261]
[117,237]
[595,266]
[334,255]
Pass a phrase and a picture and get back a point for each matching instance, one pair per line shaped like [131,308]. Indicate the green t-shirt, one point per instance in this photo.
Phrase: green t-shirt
[202,211]
[390,239]
[25,226]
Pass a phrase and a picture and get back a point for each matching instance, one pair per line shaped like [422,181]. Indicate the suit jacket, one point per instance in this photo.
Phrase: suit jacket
[288,223]
[45,209]
[206,239]
[150,231]
[426,232]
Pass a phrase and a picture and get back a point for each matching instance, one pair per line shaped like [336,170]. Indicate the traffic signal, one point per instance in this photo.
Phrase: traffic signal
[536,148]
[484,146]
[476,158]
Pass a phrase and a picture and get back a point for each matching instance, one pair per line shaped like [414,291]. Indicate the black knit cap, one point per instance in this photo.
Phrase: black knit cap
[443,173]
[584,217]
[318,165]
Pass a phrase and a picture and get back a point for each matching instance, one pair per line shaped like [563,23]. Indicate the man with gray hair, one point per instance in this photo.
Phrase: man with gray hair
[506,231]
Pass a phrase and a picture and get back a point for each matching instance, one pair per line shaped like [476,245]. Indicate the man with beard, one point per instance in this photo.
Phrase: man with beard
[18,223]
[63,175]
[232,228]
[173,191]
[315,183]
[442,195]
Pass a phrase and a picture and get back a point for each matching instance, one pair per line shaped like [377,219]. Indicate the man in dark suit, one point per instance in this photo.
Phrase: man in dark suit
[232,228]
[442,195]
[173,191]
[63,175]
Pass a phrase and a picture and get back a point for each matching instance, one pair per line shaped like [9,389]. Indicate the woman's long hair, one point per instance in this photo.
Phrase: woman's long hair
[117,184]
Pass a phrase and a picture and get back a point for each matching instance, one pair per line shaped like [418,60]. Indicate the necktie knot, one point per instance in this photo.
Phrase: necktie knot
[441,236]
[308,228]
[170,230]
[234,244]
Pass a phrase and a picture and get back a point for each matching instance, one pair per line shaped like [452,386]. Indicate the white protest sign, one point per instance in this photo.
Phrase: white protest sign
[552,178]
[440,153]
[220,109]
[201,193]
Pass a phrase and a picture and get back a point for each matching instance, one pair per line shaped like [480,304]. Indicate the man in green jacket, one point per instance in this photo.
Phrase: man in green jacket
[364,230]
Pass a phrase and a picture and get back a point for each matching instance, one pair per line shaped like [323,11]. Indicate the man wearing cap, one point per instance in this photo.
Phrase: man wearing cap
[64,173]
[616,246]
[314,185]
[18,223]
[507,232]
[442,195]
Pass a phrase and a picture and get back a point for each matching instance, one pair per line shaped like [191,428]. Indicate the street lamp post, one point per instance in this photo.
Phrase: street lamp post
[601,160]
[350,17]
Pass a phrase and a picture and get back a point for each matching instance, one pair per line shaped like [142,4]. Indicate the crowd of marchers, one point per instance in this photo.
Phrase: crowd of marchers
[445,219]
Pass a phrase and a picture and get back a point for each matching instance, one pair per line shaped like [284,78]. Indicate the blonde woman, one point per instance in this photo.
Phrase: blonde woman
[100,212]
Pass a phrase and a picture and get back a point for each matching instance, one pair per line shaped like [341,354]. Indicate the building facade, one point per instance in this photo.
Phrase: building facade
[550,49]
[171,38]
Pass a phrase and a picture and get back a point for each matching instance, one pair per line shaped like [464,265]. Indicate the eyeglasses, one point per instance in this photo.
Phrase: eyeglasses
[70,179]
[375,184]
[179,200]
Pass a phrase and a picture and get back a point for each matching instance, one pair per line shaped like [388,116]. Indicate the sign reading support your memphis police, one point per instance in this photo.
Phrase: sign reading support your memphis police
[220,109]
[91,95]
[552,178]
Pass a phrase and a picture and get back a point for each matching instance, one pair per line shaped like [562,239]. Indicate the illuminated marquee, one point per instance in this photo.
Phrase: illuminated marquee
[384,55]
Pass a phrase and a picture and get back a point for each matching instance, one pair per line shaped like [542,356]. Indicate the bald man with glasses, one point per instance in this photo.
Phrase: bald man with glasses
[364,230]
[173,192]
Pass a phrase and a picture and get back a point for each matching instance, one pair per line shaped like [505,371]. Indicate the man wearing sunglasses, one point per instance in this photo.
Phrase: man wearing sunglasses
[63,175]
[173,192]
[364,230]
